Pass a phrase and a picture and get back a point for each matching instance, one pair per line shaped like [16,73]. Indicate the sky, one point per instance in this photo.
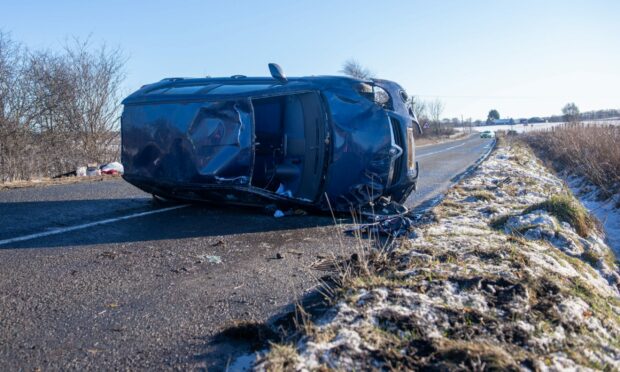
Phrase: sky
[522,57]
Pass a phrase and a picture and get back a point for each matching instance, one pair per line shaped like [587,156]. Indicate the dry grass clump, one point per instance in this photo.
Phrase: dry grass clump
[591,151]
[281,358]
[483,195]
[565,208]
[51,181]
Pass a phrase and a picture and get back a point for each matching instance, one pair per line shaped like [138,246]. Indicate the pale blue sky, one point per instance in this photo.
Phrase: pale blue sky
[523,58]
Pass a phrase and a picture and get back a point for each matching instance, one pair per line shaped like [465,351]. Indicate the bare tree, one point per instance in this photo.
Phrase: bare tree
[435,109]
[57,110]
[94,109]
[571,112]
[16,111]
[52,88]
[354,69]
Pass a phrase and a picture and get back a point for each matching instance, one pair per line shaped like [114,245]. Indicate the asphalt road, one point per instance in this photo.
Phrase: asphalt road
[153,287]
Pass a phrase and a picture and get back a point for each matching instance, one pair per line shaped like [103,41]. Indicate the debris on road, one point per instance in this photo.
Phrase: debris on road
[300,212]
[218,243]
[274,210]
[112,168]
[289,212]
[108,255]
[93,170]
[210,258]
[80,172]
[389,226]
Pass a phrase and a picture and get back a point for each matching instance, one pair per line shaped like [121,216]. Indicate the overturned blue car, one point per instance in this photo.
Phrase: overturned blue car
[320,142]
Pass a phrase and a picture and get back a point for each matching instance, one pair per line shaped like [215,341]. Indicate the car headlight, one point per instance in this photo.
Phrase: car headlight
[410,151]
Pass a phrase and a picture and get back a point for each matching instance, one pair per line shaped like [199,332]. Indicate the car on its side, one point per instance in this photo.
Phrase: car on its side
[487,134]
[320,142]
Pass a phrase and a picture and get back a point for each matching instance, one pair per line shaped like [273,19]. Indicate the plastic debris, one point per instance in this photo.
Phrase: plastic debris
[289,212]
[214,259]
[93,170]
[210,258]
[112,168]
[80,172]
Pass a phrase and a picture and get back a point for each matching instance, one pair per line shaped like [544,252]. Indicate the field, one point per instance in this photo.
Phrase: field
[540,127]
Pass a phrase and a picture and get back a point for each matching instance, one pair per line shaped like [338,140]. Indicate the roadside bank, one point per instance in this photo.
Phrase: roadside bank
[508,272]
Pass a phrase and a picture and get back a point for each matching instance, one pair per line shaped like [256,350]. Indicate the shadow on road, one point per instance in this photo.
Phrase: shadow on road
[194,221]
[245,338]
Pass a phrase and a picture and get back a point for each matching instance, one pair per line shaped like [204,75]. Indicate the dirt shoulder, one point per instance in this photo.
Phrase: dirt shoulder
[42,182]
[509,272]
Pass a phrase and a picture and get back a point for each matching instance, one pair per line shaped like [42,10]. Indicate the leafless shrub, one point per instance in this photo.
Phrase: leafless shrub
[429,114]
[17,111]
[590,151]
[435,109]
[57,110]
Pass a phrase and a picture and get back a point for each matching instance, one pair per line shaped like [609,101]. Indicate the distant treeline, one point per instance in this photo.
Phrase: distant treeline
[58,110]
[584,116]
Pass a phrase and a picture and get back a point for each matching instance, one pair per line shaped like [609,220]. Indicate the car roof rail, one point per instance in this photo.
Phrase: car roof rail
[172,79]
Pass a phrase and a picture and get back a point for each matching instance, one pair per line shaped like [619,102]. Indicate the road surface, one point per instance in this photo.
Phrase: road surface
[95,276]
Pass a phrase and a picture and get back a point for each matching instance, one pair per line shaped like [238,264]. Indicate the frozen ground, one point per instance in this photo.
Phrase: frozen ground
[606,210]
[507,273]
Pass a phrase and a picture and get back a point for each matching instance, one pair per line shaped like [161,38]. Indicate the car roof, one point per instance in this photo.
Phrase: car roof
[174,89]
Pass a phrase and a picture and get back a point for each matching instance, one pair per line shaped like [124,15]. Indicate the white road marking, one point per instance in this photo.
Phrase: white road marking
[87,225]
[437,152]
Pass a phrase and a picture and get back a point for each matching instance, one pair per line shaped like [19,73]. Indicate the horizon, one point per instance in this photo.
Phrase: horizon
[473,57]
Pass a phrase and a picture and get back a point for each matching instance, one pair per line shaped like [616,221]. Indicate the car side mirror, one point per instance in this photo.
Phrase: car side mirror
[417,126]
[277,73]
